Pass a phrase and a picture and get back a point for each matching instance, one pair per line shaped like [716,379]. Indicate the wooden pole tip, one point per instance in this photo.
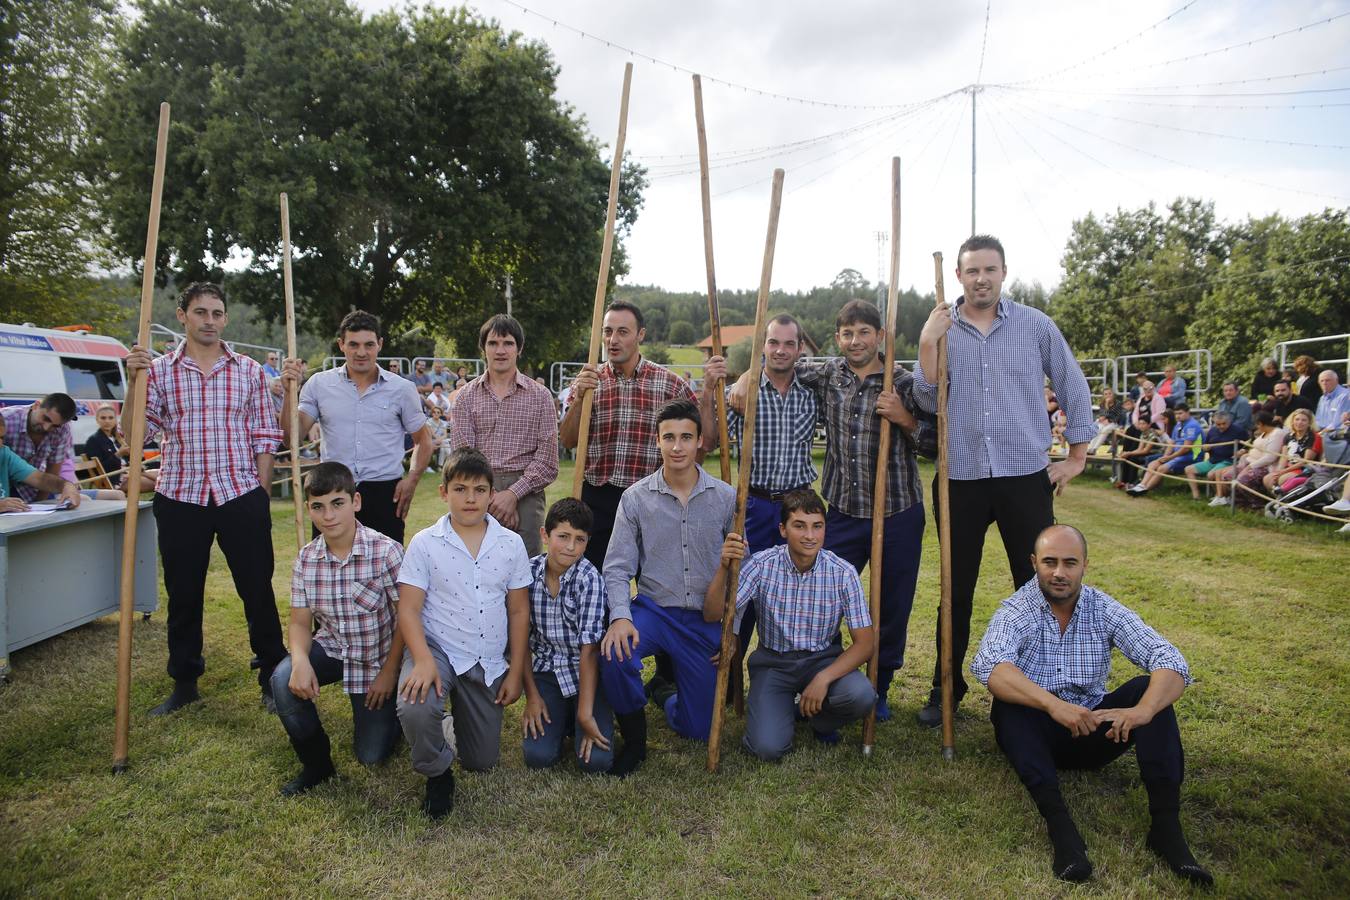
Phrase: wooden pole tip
[120,767]
[867,750]
[937,254]
[949,754]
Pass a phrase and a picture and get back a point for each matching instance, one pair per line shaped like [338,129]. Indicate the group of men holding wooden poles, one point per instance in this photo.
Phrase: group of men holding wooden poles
[464,615]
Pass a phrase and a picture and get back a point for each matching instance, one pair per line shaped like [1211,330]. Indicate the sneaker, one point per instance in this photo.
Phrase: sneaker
[1219,501]
[931,714]
[1344,529]
[1340,506]
[440,798]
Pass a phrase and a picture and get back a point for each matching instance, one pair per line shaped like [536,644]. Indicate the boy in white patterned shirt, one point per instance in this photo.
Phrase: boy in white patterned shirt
[346,580]
[464,593]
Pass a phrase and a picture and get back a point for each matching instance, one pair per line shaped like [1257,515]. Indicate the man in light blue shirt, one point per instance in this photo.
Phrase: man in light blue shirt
[999,355]
[1237,406]
[1334,402]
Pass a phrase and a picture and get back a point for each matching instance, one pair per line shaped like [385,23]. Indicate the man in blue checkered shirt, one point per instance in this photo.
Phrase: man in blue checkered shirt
[1045,658]
[999,355]
[801,593]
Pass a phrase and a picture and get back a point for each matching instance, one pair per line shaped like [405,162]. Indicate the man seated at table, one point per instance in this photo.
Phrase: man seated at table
[1045,658]
[15,471]
[40,434]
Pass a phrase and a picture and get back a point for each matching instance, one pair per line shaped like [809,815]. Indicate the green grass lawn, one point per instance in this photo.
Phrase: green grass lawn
[1259,612]
[685,356]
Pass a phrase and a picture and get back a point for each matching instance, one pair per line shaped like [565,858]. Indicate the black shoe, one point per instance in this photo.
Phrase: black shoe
[184,692]
[1167,840]
[316,761]
[306,781]
[659,685]
[931,714]
[440,795]
[633,727]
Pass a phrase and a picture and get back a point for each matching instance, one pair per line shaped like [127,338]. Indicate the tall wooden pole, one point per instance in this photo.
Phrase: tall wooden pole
[122,726]
[714,312]
[292,388]
[944,535]
[883,456]
[743,479]
[602,284]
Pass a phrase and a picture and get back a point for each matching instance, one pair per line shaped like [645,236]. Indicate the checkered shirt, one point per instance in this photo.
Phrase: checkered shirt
[57,446]
[800,610]
[1073,666]
[560,626]
[517,433]
[353,600]
[996,393]
[848,406]
[214,425]
[622,448]
[785,425]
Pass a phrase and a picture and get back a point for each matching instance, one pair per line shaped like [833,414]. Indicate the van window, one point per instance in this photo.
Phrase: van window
[93,379]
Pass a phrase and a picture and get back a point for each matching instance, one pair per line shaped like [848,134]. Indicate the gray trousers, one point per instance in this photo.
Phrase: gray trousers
[529,509]
[477,719]
[775,678]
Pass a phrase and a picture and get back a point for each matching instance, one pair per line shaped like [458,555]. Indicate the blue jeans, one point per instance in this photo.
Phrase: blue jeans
[547,750]
[374,731]
[851,538]
[691,643]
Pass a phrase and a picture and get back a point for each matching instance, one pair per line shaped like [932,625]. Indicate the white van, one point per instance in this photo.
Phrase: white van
[35,362]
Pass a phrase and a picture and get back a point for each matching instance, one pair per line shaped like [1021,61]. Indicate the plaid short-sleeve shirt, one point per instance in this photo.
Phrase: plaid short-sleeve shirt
[622,448]
[353,600]
[560,626]
[517,433]
[800,610]
[57,445]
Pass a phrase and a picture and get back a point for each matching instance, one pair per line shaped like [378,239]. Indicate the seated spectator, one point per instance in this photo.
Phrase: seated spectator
[1284,401]
[1221,442]
[1307,370]
[270,365]
[1139,379]
[1334,402]
[15,470]
[1150,405]
[1263,385]
[440,439]
[1237,407]
[1173,387]
[1110,416]
[105,445]
[1302,445]
[40,435]
[1253,464]
[421,377]
[437,399]
[1153,442]
[1184,450]
[394,367]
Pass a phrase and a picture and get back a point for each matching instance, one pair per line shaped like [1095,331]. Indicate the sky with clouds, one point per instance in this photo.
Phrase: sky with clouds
[1086,107]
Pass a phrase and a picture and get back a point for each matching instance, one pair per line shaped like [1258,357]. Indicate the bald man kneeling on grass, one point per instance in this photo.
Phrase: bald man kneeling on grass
[1045,658]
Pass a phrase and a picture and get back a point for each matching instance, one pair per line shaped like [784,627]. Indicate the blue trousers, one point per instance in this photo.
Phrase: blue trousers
[547,750]
[850,538]
[690,643]
[374,731]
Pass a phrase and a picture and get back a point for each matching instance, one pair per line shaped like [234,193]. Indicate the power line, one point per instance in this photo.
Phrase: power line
[1007,159]
[984,43]
[1269,270]
[1223,94]
[676,67]
[1243,106]
[1096,56]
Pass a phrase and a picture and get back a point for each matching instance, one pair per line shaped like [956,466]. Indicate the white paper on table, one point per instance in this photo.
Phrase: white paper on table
[40,509]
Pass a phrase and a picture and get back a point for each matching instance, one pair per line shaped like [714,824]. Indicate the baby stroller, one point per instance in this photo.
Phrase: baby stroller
[1322,487]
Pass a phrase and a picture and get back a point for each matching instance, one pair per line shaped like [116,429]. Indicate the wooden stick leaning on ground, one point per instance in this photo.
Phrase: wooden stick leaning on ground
[122,724]
[602,285]
[714,312]
[944,534]
[743,479]
[292,388]
[883,456]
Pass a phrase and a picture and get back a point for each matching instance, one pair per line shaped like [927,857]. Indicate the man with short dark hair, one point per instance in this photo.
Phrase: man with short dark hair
[1284,401]
[1238,409]
[14,471]
[622,446]
[511,420]
[40,435]
[999,355]
[364,412]
[220,433]
[1045,658]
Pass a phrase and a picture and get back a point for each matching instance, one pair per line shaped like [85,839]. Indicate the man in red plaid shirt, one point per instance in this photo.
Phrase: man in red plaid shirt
[219,436]
[622,449]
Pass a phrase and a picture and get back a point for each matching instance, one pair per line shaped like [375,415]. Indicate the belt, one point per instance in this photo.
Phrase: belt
[776,497]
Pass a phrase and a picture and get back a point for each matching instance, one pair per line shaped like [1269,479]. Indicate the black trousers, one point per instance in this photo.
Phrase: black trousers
[604,504]
[243,528]
[1038,746]
[1022,505]
[378,510]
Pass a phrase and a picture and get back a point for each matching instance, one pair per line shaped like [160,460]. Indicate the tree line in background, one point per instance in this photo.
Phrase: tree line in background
[427,157]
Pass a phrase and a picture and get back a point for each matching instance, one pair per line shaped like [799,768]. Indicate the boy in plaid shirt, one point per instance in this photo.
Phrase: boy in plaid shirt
[800,593]
[567,620]
[346,579]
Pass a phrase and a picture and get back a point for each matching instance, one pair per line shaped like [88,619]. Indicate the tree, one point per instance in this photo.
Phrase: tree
[425,153]
[682,333]
[52,53]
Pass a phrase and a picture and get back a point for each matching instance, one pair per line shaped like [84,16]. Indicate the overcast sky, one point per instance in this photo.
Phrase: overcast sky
[1098,121]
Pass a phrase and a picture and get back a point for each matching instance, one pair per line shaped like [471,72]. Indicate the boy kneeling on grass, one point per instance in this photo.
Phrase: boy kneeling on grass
[346,580]
[801,593]
[464,595]
[567,620]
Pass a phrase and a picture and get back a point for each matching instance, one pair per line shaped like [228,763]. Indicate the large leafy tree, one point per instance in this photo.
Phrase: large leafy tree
[52,53]
[425,154]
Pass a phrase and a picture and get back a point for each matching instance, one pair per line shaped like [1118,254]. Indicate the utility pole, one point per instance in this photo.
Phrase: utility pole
[882,239]
[508,293]
[974,89]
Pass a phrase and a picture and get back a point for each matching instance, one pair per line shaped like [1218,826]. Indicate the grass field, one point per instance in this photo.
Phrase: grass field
[1260,613]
